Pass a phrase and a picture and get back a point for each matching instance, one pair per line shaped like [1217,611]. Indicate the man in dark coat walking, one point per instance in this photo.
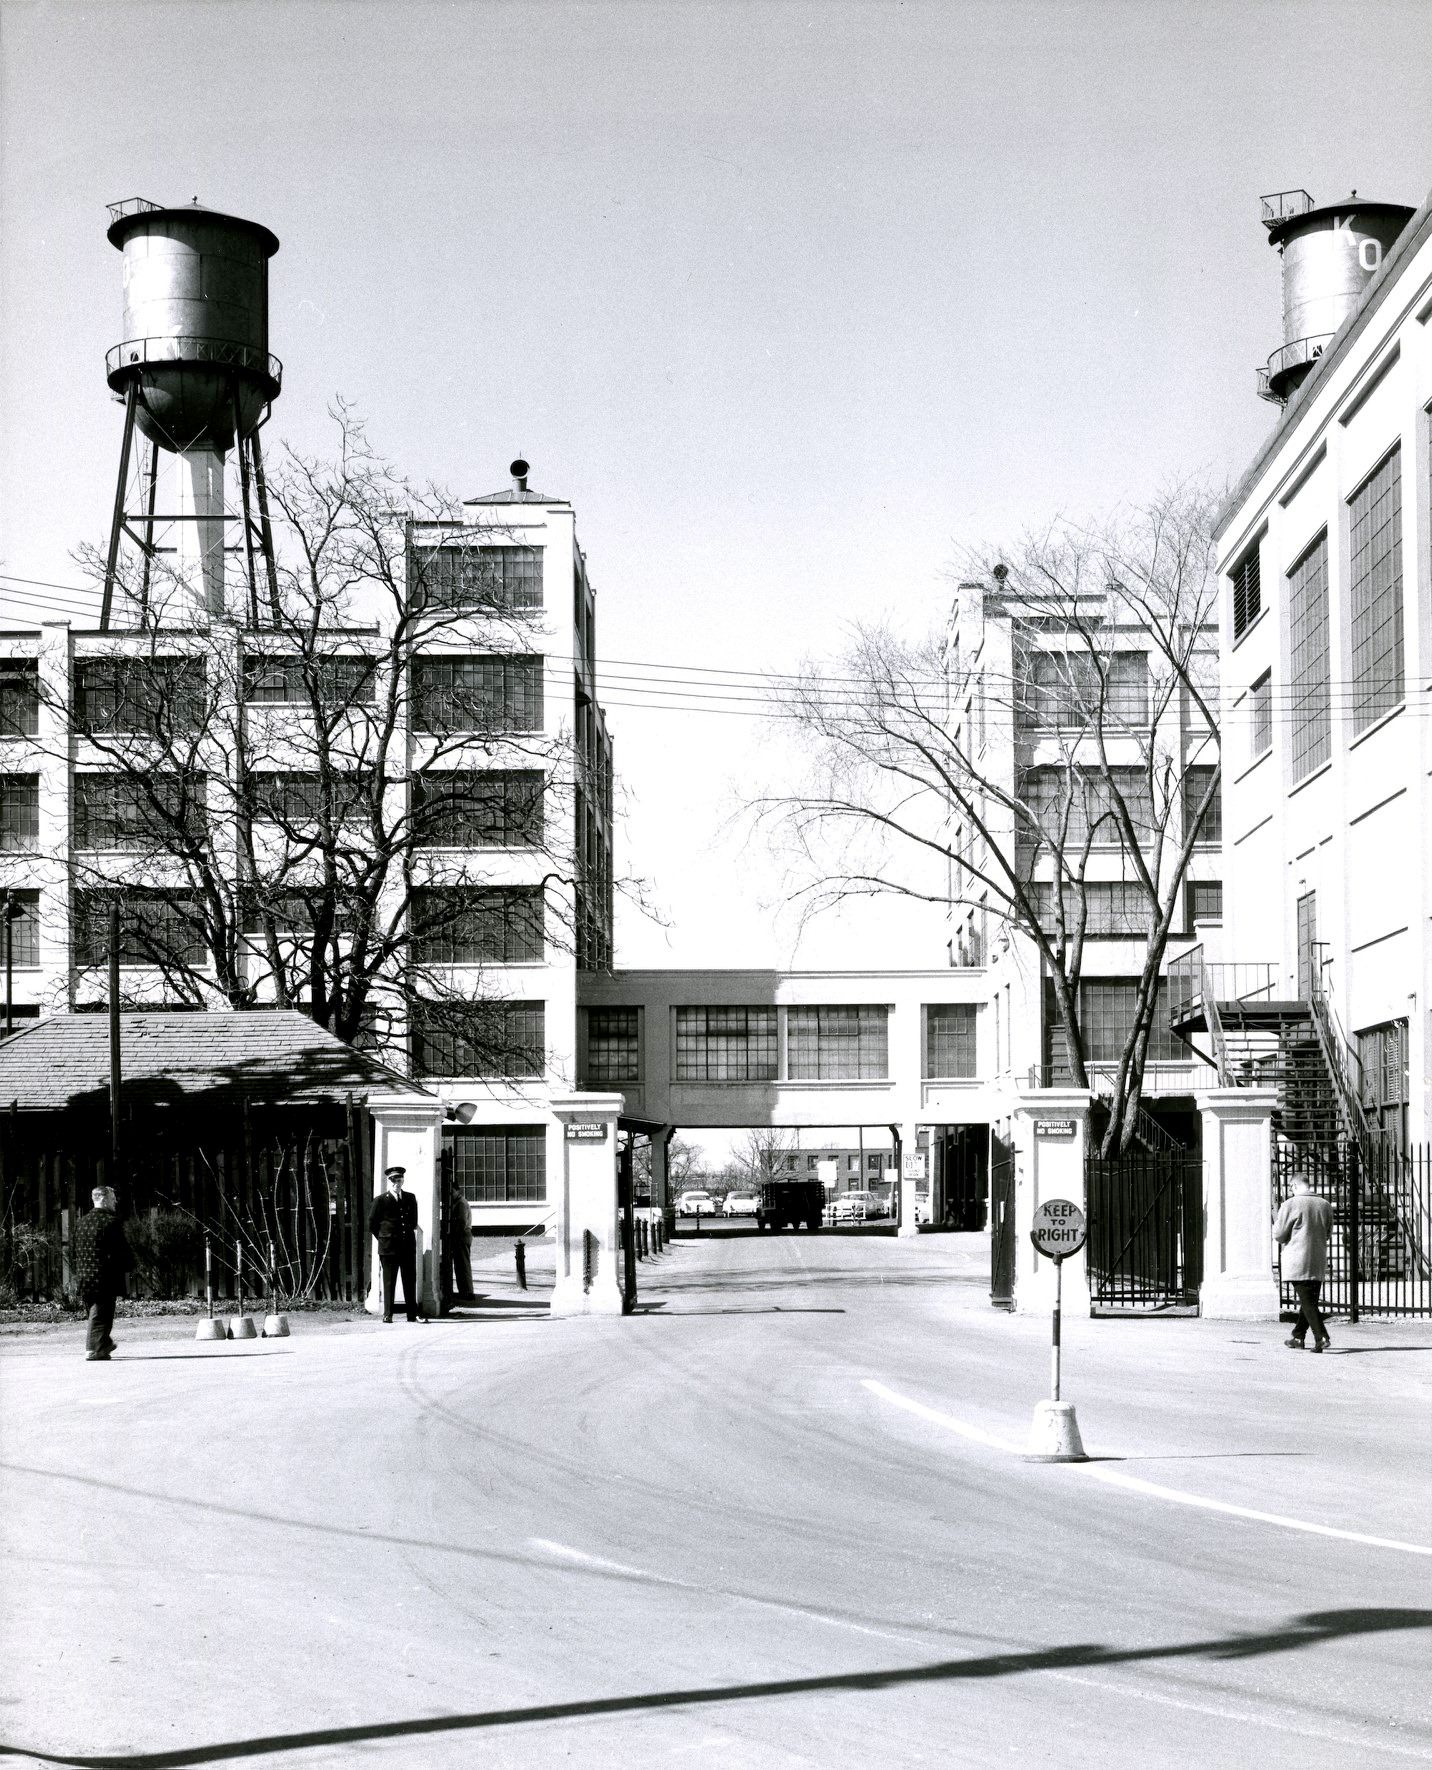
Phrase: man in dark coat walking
[393,1222]
[99,1260]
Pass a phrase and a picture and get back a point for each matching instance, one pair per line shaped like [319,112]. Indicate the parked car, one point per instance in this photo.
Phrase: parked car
[694,1204]
[858,1206]
[742,1204]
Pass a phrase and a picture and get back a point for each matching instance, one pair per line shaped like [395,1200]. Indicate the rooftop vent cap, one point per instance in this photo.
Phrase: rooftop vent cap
[519,471]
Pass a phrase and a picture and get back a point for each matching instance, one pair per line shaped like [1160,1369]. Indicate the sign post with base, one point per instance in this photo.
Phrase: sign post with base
[1057,1232]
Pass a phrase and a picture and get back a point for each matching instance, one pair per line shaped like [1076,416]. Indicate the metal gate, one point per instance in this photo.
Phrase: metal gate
[1380,1255]
[1145,1248]
[1001,1222]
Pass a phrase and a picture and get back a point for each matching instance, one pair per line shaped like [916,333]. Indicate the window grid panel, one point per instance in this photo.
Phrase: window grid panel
[829,1044]
[1247,591]
[1116,907]
[19,811]
[158,928]
[1311,737]
[24,929]
[1091,807]
[1195,785]
[19,698]
[726,1045]
[136,695]
[1260,715]
[950,1041]
[284,681]
[486,1040]
[1106,1018]
[501,1166]
[506,577]
[1375,544]
[497,693]
[1205,901]
[115,812]
[613,1054]
[479,808]
[479,925]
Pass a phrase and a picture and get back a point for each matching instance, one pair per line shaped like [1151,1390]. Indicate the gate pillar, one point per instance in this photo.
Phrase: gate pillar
[1238,1280]
[408,1133]
[1051,1138]
[588,1228]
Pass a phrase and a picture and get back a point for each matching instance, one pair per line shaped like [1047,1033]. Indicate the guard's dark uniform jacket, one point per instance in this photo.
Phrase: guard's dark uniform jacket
[394,1222]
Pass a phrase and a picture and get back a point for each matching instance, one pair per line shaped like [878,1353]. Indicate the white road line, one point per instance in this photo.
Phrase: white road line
[580,1556]
[1278,1723]
[1135,1483]
[976,1434]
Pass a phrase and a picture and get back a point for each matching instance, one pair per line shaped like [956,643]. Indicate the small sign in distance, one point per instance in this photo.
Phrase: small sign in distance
[1054,1127]
[1058,1229]
[587,1131]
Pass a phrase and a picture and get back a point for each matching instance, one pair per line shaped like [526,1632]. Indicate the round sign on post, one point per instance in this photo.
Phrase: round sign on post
[1058,1229]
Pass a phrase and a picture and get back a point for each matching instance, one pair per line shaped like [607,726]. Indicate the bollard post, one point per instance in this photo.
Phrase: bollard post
[519,1254]
[275,1325]
[208,1328]
[241,1326]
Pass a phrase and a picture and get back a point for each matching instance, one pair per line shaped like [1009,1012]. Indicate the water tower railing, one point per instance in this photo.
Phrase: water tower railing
[1281,206]
[136,352]
[132,206]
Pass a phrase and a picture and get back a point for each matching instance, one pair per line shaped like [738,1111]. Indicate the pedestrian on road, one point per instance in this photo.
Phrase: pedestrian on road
[100,1258]
[393,1222]
[459,1228]
[1303,1224]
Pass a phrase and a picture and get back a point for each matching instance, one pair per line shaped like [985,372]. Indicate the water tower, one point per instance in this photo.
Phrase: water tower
[196,380]
[1330,253]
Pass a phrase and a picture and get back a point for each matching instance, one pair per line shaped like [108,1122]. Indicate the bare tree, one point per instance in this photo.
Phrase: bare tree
[309,809]
[1055,772]
[764,1154]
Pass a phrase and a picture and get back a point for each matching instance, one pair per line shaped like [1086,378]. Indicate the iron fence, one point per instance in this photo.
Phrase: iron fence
[1380,1254]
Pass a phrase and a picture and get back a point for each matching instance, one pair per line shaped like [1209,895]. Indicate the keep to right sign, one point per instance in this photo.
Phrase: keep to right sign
[1058,1229]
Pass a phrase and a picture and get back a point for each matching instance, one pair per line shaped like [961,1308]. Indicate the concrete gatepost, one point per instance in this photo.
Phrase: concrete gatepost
[588,1218]
[408,1132]
[1238,1281]
[1051,1136]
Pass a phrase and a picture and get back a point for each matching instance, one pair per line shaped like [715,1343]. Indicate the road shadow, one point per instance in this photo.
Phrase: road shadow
[669,1314]
[1309,1630]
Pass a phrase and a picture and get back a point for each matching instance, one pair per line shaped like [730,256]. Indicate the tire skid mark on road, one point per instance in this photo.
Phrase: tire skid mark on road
[1137,1484]
[1277,1723]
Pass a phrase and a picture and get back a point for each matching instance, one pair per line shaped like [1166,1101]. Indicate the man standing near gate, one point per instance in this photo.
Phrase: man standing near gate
[393,1222]
[1303,1225]
[100,1260]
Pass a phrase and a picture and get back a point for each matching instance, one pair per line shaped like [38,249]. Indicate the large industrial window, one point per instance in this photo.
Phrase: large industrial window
[478,925]
[1106,1020]
[1310,738]
[1375,542]
[487,1040]
[1386,1081]
[1260,715]
[838,1044]
[613,1049]
[480,577]
[725,1044]
[1069,804]
[501,693]
[285,681]
[1112,907]
[19,698]
[19,811]
[1247,591]
[162,928]
[1205,901]
[116,811]
[497,808]
[1195,785]
[24,915]
[297,799]
[135,695]
[1062,689]
[950,1040]
[501,1165]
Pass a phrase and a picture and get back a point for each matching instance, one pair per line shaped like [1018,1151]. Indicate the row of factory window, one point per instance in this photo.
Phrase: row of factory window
[161,697]
[497,808]
[451,925]
[1375,634]
[768,1044]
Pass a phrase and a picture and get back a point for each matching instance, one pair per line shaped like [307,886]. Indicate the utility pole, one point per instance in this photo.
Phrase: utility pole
[10,912]
[114,1067]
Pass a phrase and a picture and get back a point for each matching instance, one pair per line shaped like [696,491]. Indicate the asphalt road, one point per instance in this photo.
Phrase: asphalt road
[722,1532]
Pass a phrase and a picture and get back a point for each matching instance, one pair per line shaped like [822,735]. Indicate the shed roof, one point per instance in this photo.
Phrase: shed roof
[273,1057]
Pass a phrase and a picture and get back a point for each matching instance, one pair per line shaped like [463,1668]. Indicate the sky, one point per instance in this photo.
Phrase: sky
[793,301]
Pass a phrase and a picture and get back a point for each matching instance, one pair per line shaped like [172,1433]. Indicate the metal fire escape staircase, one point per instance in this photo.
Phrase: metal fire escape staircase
[1297,1047]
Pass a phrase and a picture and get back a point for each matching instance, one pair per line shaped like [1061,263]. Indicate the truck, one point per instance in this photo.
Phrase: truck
[791,1204]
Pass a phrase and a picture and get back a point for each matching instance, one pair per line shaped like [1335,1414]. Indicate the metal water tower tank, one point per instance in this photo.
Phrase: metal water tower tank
[196,377]
[1330,253]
